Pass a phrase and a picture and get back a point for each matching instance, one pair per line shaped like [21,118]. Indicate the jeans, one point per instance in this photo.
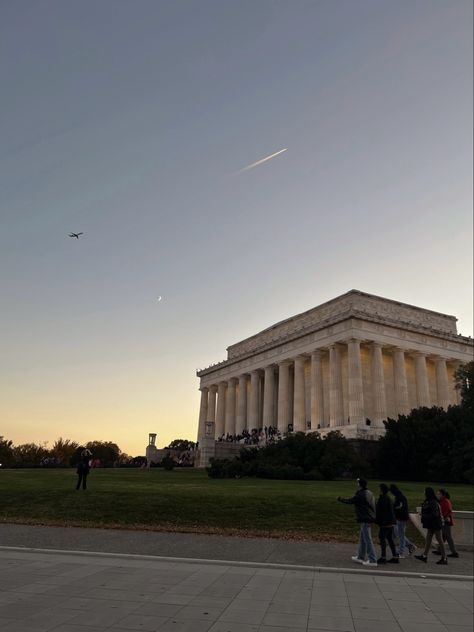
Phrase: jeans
[403,540]
[386,535]
[366,546]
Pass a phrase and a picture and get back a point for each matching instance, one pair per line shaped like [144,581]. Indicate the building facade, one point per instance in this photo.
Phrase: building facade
[345,365]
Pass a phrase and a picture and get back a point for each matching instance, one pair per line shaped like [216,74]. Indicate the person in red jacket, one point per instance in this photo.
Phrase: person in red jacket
[448,521]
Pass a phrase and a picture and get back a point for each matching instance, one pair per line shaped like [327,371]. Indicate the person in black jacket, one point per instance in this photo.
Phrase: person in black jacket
[432,521]
[83,469]
[385,517]
[364,504]
[400,506]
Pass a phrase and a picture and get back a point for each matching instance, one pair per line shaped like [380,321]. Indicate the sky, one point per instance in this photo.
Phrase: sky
[132,122]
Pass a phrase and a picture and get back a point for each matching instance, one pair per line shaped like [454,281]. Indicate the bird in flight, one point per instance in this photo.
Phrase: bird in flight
[76,235]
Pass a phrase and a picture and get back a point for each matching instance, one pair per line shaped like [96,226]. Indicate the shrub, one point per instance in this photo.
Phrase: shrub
[167,462]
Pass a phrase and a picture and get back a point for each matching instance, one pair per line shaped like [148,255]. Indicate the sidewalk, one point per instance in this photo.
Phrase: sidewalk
[62,592]
[211,547]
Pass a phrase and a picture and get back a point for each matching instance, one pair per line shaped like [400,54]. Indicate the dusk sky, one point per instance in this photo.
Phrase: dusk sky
[131,121]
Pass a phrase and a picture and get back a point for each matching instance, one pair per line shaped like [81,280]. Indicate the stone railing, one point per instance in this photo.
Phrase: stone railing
[462,531]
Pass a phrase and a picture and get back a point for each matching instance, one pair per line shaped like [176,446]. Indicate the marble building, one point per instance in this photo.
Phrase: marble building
[347,364]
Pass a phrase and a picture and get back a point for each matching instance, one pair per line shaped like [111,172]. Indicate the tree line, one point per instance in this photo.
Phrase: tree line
[63,453]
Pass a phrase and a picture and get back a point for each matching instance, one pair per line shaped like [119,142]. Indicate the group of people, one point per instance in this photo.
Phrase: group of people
[390,514]
[256,436]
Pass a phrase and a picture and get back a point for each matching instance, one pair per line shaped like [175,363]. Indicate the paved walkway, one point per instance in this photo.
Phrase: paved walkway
[211,547]
[63,592]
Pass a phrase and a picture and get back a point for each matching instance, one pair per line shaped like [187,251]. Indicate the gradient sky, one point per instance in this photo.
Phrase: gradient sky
[130,120]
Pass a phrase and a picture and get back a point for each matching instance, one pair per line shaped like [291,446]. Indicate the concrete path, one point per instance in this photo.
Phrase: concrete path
[62,592]
[211,547]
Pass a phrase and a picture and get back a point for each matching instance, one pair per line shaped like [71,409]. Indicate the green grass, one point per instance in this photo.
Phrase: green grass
[190,501]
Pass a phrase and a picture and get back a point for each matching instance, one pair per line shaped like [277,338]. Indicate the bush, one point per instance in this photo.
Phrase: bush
[225,468]
[297,457]
[167,463]
[280,472]
[313,475]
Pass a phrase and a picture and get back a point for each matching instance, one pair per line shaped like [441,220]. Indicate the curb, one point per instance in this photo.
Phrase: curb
[269,565]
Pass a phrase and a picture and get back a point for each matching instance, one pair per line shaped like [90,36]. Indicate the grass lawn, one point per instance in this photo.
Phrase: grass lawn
[188,500]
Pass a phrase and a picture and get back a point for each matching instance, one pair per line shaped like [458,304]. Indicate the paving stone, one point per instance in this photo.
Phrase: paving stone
[289,621]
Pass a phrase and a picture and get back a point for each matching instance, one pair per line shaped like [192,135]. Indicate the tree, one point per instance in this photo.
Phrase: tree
[181,444]
[464,380]
[6,452]
[63,450]
[428,444]
[29,454]
[106,451]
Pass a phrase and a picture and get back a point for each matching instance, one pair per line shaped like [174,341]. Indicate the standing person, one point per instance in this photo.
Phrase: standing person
[385,517]
[432,520]
[83,469]
[364,505]
[400,506]
[448,522]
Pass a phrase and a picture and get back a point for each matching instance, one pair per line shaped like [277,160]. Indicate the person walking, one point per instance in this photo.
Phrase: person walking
[400,506]
[448,522]
[364,505]
[83,469]
[385,518]
[432,521]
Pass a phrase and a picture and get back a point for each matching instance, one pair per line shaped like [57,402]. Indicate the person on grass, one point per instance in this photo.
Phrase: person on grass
[83,469]
[400,506]
[364,505]
[432,521]
[385,518]
[448,522]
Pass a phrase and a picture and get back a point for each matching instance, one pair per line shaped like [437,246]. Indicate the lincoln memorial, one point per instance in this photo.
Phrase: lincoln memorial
[345,365]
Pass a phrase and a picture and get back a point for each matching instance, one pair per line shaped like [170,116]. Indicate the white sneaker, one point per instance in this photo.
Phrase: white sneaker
[401,557]
[369,563]
[354,558]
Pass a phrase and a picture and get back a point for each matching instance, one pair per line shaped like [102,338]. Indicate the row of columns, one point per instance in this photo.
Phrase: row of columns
[230,414]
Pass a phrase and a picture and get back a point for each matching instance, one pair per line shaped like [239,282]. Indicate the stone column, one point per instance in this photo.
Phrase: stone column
[283,394]
[211,404]
[299,421]
[220,414]
[378,386]
[336,404]
[254,421]
[355,392]
[268,395]
[442,383]
[241,422]
[230,407]
[202,412]
[400,382]
[317,396]
[422,386]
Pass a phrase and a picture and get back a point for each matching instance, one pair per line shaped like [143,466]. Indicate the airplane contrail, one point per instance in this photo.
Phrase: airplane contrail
[260,162]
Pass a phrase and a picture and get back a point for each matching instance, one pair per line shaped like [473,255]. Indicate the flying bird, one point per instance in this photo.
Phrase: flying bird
[260,162]
[76,235]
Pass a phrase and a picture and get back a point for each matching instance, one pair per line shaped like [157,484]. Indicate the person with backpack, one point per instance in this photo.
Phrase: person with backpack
[385,518]
[432,521]
[83,469]
[400,506]
[364,505]
[448,522]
